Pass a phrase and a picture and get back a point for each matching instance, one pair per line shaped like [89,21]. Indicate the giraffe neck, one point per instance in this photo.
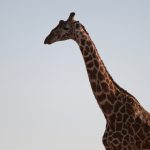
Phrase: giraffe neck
[103,86]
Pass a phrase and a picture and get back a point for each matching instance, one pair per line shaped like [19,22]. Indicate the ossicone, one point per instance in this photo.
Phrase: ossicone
[71,17]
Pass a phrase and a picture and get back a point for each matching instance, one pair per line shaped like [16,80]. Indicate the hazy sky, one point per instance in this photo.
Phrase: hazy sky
[46,102]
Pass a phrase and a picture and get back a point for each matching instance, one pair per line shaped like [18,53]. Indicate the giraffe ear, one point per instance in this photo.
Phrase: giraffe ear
[71,17]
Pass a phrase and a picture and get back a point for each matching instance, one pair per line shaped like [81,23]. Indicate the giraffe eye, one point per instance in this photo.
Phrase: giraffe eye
[65,28]
[61,22]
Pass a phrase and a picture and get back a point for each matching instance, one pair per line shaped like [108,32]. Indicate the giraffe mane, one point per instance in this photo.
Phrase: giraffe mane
[84,29]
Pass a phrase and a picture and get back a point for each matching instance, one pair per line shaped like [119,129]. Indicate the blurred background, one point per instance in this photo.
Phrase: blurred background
[46,102]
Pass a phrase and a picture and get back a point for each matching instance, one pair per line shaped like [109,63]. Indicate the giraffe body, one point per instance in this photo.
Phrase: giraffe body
[127,122]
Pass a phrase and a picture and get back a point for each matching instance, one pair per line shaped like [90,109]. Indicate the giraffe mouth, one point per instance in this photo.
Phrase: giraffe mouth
[47,41]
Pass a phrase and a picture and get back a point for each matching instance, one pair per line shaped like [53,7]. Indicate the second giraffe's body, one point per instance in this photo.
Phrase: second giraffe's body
[127,122]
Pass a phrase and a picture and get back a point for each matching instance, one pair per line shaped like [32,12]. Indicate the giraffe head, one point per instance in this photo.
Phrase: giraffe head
[64,30]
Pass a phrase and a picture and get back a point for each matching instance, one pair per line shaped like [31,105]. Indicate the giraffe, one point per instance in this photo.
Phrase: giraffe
[127,122]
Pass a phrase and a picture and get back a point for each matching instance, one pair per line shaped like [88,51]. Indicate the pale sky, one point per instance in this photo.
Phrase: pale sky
[46,102]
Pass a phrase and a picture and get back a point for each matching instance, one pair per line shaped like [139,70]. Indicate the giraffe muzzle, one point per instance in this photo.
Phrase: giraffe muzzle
[47,41]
